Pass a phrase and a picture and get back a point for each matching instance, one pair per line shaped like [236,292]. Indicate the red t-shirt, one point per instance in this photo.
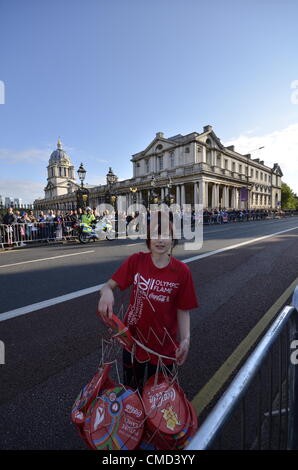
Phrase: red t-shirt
[156,295]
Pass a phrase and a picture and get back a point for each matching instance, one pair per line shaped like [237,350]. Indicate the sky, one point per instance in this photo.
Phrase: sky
[106,75]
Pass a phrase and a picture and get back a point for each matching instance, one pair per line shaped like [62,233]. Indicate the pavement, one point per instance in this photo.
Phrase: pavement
[52,352]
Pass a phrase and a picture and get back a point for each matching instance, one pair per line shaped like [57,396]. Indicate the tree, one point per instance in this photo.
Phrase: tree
[288,198]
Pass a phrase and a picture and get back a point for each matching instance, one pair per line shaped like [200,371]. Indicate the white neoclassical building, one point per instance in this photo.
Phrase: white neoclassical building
[199,167]
[61,174]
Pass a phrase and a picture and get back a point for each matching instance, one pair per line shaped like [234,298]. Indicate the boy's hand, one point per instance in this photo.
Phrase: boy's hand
[106,302]
[182,351]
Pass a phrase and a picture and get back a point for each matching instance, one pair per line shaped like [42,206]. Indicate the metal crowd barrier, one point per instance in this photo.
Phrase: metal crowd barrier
[21,234]
[238,217]
[259,410]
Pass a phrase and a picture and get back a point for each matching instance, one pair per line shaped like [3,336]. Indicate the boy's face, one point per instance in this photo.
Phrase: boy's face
[161,245]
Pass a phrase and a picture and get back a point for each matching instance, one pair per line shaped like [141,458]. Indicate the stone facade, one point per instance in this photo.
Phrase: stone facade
[202,171]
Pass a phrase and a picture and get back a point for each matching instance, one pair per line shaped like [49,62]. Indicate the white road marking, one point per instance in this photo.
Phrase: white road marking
[48,303]
[64,298]
[45,259]
[231,247]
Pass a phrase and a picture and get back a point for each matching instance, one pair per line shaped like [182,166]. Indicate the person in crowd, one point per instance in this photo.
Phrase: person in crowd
[95,213]
[18,215]
[42,225]
[89,217]
[9,220]
[80,213]
[23,227]
[58,219]
[32,217]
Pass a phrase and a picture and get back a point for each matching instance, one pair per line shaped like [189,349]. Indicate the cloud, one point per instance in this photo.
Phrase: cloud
[280,146]
[33,155]
[27,190]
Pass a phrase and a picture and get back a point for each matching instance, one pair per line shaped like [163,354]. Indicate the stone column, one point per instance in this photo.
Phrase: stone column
[226,197]
[237,198]
[233,201]
[223,200]
[182,194]
[178,194]
[201,198]
[213,203]
[195,193]
[206,194]
[217,195]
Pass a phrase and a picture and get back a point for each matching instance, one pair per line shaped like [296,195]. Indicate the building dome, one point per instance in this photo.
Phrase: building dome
[59,155]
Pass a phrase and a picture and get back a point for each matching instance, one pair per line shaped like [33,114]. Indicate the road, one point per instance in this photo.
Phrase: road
[52,350]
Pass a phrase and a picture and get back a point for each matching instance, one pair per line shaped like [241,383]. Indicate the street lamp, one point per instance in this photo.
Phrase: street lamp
[153,194]
[82,193]
[170,198]
[111,181]
[81,173]
[134,195]
[111,178]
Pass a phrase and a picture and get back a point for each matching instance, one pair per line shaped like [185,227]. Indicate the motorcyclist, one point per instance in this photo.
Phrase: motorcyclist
[88,218]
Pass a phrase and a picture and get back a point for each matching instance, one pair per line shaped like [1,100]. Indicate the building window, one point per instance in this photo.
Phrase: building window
[266,178]
[251,173]
[187,150]
[160,163]
[257,175]
[240,168]
[262,176]
[172,160]
[208,152]
[233,166]
[226,164]
[147,165]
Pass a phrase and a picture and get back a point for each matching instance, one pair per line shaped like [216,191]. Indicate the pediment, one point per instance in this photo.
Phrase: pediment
[213,137]
[49,186]
[158,145]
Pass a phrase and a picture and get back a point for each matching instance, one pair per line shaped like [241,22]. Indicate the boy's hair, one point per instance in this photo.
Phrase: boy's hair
[158,216]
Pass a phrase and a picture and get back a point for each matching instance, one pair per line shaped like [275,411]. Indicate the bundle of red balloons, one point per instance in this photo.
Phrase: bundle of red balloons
[111,416]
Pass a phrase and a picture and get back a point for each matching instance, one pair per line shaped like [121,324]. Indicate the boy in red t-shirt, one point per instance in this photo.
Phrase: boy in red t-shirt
[158,313]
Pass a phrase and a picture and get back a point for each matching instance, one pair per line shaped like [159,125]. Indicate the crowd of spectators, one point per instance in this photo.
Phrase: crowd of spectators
[221,216]
[19,227]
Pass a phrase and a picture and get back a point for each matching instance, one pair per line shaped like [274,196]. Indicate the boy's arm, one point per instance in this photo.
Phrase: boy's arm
[184,335]
[106,300]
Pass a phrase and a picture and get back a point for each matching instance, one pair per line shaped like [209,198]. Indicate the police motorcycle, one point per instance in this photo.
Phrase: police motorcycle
[102,229]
